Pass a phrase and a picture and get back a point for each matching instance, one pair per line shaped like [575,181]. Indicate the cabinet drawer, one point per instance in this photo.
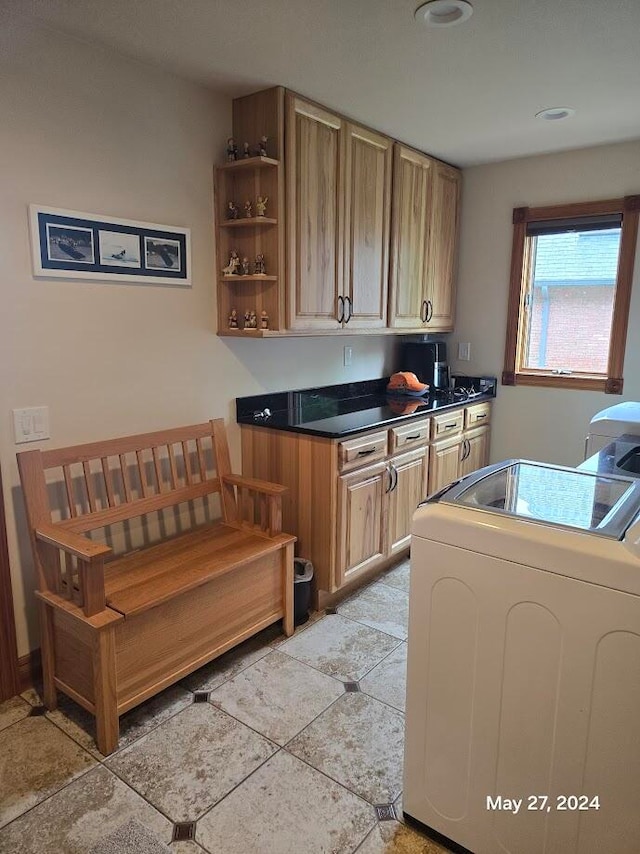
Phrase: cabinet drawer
[477,414]
[447,424]
[364,449]
[410,435]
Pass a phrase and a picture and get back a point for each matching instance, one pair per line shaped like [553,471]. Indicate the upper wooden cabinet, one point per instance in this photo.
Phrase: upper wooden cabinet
[424,240]
[338,205]
[361,232]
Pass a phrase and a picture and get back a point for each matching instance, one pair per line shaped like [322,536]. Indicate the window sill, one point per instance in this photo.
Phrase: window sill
[574,381]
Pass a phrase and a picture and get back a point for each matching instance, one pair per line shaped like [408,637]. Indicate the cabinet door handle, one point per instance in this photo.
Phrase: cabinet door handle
[390,484]
[367,452]
[466,444]
[395,477]
[340,311]
[423,311]
[350,307]
[429,314]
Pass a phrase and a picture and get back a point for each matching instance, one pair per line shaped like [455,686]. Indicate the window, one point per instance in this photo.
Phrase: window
[571,272]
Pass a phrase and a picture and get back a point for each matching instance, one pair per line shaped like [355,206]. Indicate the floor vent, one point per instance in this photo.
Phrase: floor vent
[37,711]
[351,687]
[330,611]
[201,697]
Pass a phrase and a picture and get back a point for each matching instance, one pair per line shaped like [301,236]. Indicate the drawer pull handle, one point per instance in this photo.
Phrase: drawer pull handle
[450,426]
[366,453]
[478,417]
[416,436]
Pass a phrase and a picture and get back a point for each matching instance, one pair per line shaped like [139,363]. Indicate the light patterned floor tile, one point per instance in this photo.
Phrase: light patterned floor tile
[381,607]
[340,647]
[285,807]
[392,837]
[388,680]
[78,817]
[188,763]
[186,847]
[36,760]
[212,675]
[277,696]
[358,742]
[132,836]
[81,726]
[12,711]
[398,576]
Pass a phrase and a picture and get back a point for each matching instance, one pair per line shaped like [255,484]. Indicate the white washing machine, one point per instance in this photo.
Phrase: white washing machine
[610,423]
[523,682]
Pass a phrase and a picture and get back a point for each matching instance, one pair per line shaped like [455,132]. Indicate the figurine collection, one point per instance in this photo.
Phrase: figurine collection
[242,267]
[250,320]
[233,212]
[259,151]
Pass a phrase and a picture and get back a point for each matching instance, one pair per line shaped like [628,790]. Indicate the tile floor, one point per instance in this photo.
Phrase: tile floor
[281,745]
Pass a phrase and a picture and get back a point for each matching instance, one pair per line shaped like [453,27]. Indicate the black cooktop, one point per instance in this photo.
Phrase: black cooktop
[335,411]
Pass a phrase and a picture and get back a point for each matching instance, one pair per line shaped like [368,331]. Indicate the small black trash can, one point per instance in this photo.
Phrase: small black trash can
[302,579]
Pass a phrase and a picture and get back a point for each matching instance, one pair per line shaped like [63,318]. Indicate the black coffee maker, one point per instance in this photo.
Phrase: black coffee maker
[428,361]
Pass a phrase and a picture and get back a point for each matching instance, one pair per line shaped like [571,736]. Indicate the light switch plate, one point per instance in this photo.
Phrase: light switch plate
[31,424]
[464,351]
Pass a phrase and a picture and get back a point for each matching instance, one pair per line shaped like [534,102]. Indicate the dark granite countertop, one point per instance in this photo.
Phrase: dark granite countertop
[607,460]
[340,410]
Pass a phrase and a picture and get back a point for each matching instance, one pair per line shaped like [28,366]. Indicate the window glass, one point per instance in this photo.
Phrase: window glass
[570,299]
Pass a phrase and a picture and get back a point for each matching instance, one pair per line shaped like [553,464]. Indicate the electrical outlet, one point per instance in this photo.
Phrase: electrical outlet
[464,351]
[348,353]
[31,424]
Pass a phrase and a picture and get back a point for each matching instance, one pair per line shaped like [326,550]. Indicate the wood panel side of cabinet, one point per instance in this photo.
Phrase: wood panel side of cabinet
[411,202]
[314,190]
[307,466]
[442,247]
[367,162]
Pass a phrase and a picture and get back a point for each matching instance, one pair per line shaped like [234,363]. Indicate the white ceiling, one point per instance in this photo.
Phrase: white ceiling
[467,94]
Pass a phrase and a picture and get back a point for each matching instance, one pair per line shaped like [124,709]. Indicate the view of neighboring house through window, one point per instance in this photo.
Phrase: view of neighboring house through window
[571,273]
[570,295]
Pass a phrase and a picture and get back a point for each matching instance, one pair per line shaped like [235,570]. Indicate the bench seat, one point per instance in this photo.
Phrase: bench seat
[117,630]
[143,579]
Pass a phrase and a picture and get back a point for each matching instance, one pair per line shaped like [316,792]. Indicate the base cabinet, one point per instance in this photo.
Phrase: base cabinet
[350,503]
[361,520]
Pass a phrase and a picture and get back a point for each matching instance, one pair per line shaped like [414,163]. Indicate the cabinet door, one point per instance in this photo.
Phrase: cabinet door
[477,450]
[361,520]
[444,464]
[408,489]
[367,212]
[442,252]
[314,214]
[409,232]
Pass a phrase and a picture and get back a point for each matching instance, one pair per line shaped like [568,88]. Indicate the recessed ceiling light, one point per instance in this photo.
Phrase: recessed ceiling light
[443,13]
[552,114]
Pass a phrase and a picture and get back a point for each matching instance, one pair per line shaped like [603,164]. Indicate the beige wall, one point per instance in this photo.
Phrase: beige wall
[535,423]
[89,130]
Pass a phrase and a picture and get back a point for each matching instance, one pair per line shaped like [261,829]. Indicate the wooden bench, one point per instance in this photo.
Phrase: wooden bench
[117,630]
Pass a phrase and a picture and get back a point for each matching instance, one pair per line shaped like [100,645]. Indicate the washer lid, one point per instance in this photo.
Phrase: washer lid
[616,420]
[551,495]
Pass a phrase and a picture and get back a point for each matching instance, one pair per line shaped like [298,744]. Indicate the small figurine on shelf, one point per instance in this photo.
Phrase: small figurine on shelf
[233,319]
[261,269]
[248,209]
[247,320]
[261,205]
[232,150]
[253,320]
[245,150]
[262,146]
[234,262]
[264,320]
[232,210]
[245,266]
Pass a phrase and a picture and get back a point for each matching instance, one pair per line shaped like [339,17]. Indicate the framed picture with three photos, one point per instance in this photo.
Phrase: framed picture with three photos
[75,245]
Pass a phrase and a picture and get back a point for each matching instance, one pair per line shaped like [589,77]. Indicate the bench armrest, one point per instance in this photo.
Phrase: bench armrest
[69,541]
[257,485]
